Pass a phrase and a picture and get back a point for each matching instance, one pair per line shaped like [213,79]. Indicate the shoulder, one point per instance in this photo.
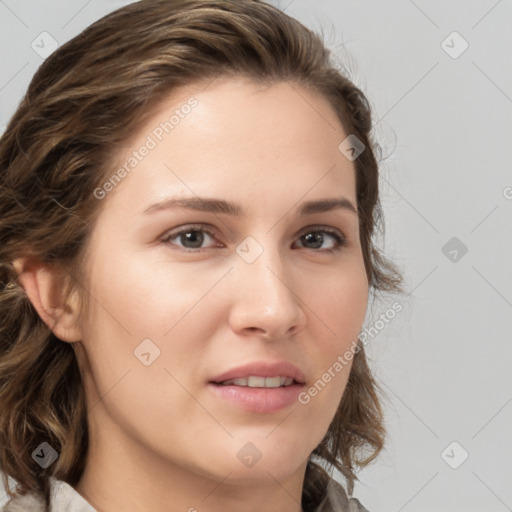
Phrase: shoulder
[30,502]
[336,500]
[63,497]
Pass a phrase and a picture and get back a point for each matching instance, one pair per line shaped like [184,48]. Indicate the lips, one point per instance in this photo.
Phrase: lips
[253,387]
[260,382]
[266,369]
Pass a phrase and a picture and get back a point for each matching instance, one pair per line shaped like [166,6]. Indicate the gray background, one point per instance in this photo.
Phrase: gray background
[443,119]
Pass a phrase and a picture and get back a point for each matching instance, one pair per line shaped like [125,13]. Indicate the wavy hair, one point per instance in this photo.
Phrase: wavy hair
[85,100]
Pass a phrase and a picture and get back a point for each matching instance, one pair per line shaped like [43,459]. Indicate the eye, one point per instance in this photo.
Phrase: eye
[192,238]
[317,238]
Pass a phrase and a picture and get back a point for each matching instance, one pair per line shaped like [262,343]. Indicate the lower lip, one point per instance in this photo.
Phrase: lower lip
[258,399]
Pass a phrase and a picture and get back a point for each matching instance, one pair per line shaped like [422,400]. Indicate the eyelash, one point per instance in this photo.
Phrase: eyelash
[339,238]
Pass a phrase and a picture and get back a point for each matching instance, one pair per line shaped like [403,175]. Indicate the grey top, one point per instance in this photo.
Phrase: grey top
[64,498]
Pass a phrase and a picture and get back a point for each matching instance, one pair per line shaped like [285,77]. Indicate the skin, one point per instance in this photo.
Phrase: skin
[158,435]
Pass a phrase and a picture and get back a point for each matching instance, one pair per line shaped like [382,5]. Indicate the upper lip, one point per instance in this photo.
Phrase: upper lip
[263,369]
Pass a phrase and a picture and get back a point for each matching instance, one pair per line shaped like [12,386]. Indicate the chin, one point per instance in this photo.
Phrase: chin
[272,460]
[252,462]
[273,470]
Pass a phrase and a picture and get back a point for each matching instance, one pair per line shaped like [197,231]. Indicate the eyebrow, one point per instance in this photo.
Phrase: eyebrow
[213,205]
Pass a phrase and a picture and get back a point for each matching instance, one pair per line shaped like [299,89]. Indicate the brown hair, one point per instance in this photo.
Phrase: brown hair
[83,101]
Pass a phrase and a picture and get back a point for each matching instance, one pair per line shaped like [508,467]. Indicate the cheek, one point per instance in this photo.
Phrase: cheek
[139,299]
[340,302]
[338,307]
[146,313]
[132,309]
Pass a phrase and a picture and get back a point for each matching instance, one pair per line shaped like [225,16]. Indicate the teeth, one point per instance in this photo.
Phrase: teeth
[272,382]
[256,382]
[260,382]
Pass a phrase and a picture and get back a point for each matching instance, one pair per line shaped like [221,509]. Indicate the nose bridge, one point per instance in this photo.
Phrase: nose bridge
[265,296]
[264,272]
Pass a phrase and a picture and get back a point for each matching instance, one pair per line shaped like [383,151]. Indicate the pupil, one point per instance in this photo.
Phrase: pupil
[312,236]
[190,238]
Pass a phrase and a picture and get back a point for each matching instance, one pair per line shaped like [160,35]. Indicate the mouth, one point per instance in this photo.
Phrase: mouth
[259,382]
[259,387]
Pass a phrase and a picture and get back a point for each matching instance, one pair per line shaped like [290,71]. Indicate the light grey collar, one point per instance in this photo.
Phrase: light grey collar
[64,498]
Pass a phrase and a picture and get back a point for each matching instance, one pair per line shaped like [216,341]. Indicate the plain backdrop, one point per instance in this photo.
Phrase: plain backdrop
[439,79]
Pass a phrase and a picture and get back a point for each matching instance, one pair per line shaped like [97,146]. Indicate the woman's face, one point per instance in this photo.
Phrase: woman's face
[267,292]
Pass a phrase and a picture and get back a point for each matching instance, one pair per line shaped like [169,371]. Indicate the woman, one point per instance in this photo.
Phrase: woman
[188,198]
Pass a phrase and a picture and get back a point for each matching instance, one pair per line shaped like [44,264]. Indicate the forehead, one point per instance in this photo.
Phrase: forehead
[277,139]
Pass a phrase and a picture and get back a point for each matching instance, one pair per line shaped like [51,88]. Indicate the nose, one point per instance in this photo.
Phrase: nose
[266,297]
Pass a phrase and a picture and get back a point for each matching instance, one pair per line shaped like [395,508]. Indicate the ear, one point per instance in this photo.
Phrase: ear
[45,285]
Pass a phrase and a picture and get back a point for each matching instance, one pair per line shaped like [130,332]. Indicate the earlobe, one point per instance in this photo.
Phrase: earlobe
[45,286]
